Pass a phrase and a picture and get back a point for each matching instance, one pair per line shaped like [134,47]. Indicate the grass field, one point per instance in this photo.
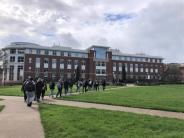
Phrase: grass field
[73,122]
[16,90]
[165,97]
[11,91]
[1,107]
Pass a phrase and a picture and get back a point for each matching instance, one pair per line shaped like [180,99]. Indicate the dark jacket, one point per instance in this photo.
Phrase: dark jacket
[52,85]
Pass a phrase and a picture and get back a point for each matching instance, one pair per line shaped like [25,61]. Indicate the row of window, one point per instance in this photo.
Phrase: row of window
[61,62]
[136,59]
[18,51]
[137,69]
[19,73]
[137,77]
[133,65]
[13,59]
[57,53]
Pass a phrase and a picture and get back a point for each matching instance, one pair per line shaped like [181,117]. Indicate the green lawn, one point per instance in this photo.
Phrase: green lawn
[165,97]
[11,91]
[16,90]
[1,107]
[73,122]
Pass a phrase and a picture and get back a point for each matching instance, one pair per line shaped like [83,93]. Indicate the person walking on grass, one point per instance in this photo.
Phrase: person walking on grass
[103,84]
[96,85]
[78,84]
[52,87]
[71,85]
[44,89]
[39,88]
[66,85]
[60,88]
[30,88]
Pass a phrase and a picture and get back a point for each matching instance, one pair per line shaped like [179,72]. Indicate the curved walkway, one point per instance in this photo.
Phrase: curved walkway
[151,112]
[19,121]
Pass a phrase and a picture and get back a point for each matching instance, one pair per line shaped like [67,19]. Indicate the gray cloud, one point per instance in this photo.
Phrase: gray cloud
[159,30]
[156,28]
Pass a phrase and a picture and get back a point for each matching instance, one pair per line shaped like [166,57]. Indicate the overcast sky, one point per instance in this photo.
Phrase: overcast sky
[154,27]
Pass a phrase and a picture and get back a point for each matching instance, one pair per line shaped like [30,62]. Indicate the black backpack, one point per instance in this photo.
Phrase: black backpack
[30,86]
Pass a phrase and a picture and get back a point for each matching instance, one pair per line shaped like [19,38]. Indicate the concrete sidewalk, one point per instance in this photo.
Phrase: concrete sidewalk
[151,112]
[19,121]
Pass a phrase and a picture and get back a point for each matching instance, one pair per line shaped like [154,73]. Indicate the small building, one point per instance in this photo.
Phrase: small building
[182,72]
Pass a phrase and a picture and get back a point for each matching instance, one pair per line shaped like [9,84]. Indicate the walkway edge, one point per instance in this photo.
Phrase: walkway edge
[152,112]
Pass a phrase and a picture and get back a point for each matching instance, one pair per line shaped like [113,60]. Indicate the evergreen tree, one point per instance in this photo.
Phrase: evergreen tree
[123,74]
[78,73]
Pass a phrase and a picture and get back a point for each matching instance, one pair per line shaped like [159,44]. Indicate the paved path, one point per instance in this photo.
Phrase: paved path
[117,108]
[19,121]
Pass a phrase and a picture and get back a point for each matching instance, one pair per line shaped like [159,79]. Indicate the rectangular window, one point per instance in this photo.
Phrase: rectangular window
[20,59]
[97,71]
[54,53]
[126,67]
[62,53]
[11,73]
[141,70]
[61,63]
[46,63]
[65,54]
[50,52]
[30,51]
[131,68]
[46,52]
[30,60]
[20,51]
[38,51]
[83,62]
[12,59]
[69,54]
[156,70]
[54,63]
[76,62]
[146,70]
[20,73]
[12,51]
[103,71]
[151,70]
[103,64]
[45,73]
[69,64]
[37,62]
[37,72]
[129,58]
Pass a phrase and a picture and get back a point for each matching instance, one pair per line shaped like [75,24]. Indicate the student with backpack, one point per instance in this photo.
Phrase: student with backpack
[30,91]
[44,89]
[39,88]
[60,88]
[52,87]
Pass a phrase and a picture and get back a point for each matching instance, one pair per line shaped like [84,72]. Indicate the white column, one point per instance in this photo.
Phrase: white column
[8,74]
[3,77]
[15,73]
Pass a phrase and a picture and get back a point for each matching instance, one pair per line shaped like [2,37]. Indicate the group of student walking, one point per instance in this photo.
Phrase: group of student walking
[34,90]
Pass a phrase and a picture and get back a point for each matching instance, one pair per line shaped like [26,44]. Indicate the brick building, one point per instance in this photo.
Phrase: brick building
[21,59]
